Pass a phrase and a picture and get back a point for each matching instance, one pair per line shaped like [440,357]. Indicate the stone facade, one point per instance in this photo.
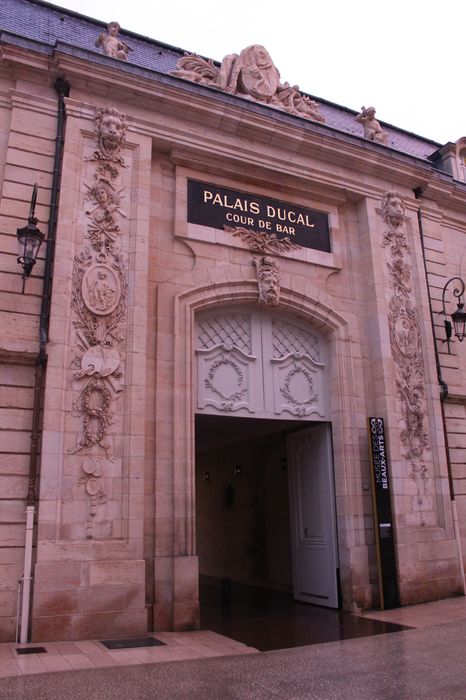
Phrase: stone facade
[115,549]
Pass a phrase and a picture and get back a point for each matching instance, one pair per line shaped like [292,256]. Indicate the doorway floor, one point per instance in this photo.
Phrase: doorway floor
[268,620]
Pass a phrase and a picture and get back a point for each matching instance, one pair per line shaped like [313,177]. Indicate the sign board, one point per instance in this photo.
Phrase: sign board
[383,524]
[216,207]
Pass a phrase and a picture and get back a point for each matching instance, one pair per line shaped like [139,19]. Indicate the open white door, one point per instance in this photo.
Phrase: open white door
[312,512]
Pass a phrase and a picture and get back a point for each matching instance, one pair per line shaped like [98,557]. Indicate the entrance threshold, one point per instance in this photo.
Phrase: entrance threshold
[268,620]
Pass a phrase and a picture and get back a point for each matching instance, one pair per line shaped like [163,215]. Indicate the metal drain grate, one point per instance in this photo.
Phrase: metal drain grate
[32,650]
[132,643]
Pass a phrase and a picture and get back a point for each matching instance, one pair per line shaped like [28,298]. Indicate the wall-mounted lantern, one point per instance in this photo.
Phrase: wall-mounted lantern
[458,317]
[29,240]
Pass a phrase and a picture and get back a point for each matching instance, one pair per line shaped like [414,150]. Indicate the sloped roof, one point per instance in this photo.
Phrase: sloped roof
[48,24]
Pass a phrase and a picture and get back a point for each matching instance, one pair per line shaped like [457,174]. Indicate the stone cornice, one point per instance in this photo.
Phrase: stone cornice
[308,142]
[227,115]
[34,103]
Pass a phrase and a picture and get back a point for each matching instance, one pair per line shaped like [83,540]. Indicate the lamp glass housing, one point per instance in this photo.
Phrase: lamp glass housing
[459,322]
[29,241]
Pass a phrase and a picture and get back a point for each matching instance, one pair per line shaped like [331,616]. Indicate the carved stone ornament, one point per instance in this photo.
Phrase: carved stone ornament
[298,389]
[100,289]
[253,75]
[261,241]
[99,305]
[111,44]
[372,129]
[110,135]
[405,338]
[225,362]
[269,281]
[93,470]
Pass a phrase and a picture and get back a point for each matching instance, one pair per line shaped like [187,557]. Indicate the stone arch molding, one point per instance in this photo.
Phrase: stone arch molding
[315,306]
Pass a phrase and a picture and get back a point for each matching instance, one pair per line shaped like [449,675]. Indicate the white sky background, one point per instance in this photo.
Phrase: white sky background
[407,59]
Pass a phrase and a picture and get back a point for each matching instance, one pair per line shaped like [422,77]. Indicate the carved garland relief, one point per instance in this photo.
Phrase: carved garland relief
[99,304]
[405,338]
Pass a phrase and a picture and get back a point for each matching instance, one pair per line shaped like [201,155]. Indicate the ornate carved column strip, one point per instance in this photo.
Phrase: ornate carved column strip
[405,338]
[99,304]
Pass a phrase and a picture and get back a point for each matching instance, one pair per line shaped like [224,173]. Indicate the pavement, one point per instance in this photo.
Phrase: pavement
[427,661]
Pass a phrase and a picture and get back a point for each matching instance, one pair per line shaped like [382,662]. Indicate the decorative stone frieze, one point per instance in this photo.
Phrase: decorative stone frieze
[268,275]
[372,129]
[99,305]
[253,75]
[111,44]
[405,339]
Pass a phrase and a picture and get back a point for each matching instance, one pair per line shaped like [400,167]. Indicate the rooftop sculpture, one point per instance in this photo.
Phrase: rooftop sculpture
[253,75]
[372,129]
[111,44]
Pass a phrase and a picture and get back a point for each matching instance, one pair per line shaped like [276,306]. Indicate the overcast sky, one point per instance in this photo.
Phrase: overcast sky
[406,58]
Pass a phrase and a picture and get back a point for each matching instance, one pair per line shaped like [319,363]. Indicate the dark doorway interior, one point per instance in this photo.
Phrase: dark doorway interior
[244,540]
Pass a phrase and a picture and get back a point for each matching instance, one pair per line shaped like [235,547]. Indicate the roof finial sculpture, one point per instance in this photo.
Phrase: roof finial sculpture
[253,75]
[372,129]
[111,44]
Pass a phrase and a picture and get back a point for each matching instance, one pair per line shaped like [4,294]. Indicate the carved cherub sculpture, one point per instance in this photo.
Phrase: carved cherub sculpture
[111,44]
[372,129]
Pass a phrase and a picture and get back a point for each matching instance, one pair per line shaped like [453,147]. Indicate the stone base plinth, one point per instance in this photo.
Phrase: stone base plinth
[88,600]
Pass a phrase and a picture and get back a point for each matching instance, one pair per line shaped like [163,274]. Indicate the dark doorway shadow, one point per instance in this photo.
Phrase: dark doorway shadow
[269,620]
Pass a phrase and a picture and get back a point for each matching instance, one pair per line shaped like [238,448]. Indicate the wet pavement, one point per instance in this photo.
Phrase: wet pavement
[426,661]
[418,663]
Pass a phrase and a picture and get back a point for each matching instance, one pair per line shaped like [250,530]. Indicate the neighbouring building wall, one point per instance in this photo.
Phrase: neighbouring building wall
[446,259]
[16,395]
[26,157]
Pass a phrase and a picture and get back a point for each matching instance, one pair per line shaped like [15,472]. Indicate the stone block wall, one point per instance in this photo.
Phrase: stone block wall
[26,157]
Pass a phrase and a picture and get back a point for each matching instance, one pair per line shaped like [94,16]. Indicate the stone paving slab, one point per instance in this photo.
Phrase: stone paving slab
[63,656]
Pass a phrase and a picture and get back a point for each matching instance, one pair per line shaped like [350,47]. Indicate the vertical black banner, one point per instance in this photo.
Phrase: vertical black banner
[383,525]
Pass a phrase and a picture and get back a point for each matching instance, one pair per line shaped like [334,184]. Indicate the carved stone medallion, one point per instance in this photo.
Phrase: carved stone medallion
[100,290]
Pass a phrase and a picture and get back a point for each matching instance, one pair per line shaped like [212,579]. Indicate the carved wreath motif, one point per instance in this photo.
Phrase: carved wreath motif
[95,406]
[405,342]
[228,401]
[299,407]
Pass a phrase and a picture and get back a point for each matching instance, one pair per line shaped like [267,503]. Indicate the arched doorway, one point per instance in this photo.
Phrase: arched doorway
[265,502]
